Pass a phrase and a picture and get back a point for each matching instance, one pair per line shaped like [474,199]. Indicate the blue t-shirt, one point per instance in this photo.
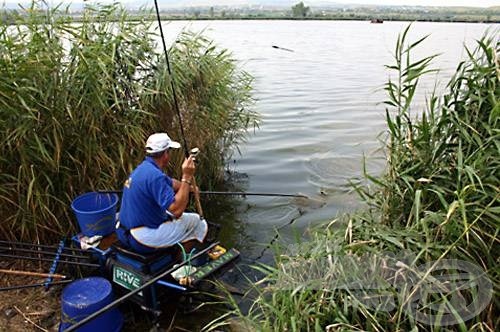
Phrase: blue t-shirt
[147,194]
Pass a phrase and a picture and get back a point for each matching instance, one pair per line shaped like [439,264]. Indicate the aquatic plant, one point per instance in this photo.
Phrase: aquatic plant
[78,100]
[425,254]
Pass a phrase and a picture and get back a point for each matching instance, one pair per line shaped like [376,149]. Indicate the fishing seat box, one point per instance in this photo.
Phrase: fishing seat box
[141,268]
[146,263]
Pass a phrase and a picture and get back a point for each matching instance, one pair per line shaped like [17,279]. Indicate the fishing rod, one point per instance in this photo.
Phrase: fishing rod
[41,259]
[187,152]
[40,252]
[137,290]
[33,274]
[61,282]
[243,193]
[193,153]
[226,193]
[172,85]
[31,245]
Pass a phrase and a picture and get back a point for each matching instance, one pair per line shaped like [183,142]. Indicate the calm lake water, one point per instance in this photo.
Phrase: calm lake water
[321,113]
[321,110]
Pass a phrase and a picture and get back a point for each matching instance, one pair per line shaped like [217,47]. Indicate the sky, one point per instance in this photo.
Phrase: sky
[476,3]
[472,3]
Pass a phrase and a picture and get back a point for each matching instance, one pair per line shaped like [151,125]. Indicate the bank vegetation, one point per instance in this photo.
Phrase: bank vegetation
[78,100]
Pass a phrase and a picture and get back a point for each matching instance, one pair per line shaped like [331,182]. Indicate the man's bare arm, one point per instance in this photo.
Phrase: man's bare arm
[181,201]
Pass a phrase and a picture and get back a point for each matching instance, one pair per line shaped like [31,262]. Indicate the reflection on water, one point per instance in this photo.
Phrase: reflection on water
[322,114]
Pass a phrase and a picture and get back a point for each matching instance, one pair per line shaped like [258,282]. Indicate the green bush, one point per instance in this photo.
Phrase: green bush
[78,100]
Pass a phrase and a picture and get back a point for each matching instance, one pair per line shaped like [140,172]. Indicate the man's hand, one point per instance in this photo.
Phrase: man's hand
[182,193]
[188,168]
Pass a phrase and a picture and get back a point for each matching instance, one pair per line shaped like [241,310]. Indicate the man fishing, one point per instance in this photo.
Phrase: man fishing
[152,210]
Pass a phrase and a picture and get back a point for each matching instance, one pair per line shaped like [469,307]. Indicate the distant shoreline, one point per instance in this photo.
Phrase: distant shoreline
[463,17]
[187,18]
[300,12]
[78,19]
[368,20]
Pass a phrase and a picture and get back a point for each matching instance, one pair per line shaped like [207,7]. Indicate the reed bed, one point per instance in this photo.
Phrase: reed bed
[78,101]
[432,217]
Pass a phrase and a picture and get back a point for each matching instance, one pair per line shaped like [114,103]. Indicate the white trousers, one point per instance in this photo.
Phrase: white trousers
[188,227]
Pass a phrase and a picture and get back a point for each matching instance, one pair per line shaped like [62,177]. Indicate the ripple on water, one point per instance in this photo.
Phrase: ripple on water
[333,171]
[273,212]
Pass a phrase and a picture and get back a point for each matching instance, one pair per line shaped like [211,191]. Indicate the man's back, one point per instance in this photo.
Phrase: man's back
[147,194]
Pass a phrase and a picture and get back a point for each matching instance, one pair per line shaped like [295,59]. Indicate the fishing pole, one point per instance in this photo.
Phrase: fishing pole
[33,274]
[40,252]
[137,290]
[226,193]
[194,152]
[31,245]
[187,152]
[61,282]
[41,259]
[172,85]
[243,193]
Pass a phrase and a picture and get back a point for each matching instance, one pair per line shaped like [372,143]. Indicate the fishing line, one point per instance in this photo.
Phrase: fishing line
[174,94]
[277,229]
[230,193]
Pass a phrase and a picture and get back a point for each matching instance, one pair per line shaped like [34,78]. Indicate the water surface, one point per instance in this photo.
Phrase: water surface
[321,109]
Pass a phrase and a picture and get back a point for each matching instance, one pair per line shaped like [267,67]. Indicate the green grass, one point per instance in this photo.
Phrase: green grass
[437,203]
[78,101]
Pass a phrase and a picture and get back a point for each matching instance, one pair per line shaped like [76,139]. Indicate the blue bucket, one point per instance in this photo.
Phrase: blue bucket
[84,297]
[96,213]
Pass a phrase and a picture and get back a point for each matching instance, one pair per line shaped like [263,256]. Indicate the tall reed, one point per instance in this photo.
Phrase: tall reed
[78,100]
[432,214]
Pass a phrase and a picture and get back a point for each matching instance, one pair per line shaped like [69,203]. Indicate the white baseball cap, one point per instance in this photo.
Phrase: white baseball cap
[160,142]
